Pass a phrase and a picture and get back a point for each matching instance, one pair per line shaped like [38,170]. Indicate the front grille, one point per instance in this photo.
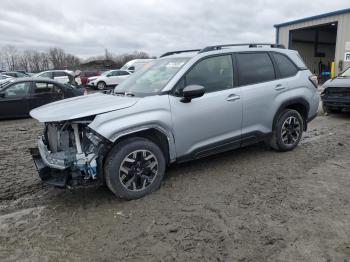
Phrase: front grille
[338,92]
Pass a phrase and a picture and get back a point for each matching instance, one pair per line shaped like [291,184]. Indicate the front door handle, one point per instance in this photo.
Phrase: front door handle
[279,87]
[233,97]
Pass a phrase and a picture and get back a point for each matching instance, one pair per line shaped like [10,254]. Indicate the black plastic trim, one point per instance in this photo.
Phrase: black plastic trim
[225,145]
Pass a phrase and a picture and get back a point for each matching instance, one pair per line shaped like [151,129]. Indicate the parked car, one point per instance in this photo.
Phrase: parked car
[14,74]
[20,95]
[336,94]
[4,79]
[24,72]
[62,76]
[183,106]
[86,74]
[135,64]
[108,79]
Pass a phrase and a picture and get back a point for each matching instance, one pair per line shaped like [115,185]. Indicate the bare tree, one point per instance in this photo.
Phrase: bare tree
[10,57]
[55,58]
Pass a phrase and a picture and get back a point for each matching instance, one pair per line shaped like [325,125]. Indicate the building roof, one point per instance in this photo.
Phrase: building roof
[339,12]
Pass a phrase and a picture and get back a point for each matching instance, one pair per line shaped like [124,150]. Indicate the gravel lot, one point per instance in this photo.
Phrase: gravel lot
[251,204]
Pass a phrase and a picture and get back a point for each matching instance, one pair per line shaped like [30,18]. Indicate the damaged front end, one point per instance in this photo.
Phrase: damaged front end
[70,154]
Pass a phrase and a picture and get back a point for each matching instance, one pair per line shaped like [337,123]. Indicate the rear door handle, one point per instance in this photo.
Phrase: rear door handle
[279,87]
[233,97]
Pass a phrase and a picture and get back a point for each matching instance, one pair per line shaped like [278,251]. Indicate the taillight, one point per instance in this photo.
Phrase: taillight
[313,79]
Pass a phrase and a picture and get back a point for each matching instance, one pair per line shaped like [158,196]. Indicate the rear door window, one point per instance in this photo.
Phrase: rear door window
[123,73]
[254,68]
[41,87]
[285,66]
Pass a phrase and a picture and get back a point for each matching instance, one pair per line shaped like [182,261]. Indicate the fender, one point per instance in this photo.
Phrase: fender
[285,104]
[169,135]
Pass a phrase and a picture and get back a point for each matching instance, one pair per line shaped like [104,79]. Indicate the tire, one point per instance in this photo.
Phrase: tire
[285,136]
[145,171]
[101,85]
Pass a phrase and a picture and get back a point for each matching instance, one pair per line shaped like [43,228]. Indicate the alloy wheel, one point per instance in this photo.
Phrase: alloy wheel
[291,131]
[138,170]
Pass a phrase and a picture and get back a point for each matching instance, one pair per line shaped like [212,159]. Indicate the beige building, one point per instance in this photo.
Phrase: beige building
[320,40]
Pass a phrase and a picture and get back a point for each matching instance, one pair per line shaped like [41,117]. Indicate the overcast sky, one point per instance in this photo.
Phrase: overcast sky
[85,28]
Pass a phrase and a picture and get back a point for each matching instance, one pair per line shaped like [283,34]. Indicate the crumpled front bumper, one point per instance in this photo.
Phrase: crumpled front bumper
[57,169]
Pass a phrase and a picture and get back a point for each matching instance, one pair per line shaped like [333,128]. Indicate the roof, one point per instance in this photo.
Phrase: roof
[33,79]
[334,13]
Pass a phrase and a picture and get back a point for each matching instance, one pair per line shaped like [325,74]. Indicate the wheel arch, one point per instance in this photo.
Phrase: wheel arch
[163,138]
[101,81]
[299,104]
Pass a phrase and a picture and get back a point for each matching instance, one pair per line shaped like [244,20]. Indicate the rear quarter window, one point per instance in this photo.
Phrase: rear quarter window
[59,74]
[285,66]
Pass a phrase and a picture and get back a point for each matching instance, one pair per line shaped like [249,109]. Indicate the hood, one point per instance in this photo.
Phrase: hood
[337,82]
[93,78]
[81,106]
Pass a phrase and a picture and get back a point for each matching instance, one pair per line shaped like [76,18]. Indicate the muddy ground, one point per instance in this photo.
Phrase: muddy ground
[252,204]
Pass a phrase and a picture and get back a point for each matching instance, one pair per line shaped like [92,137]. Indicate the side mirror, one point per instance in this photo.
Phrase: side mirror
[192,91]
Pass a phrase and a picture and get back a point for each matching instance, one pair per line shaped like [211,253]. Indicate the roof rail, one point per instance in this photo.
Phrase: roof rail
[250,45]
[180,51]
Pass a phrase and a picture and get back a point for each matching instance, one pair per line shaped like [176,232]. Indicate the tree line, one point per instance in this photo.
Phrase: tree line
[31,60]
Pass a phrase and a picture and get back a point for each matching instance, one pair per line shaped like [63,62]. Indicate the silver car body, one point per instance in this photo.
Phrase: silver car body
[190,128]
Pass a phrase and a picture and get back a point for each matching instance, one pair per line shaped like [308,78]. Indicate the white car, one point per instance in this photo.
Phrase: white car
[135,64]
[108,78]
[62,76]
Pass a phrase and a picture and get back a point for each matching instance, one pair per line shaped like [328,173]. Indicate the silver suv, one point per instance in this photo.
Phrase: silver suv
[185,105]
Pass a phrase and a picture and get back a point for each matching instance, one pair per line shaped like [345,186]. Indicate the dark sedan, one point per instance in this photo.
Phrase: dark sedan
[20,95]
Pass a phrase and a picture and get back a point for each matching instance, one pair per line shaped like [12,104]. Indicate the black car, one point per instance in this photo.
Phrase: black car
[20,95]
[336,94]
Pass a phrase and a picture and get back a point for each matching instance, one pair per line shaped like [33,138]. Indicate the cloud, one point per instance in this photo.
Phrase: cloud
[86,28]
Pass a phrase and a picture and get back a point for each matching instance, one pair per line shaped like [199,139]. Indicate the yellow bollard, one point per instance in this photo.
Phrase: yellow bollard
[332,70]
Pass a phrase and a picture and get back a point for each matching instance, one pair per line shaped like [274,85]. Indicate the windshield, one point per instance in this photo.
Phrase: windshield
[152,78]
[346,73]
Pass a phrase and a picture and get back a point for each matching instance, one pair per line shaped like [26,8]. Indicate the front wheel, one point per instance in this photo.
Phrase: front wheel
[134,168]
[287,131]
[101,85]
